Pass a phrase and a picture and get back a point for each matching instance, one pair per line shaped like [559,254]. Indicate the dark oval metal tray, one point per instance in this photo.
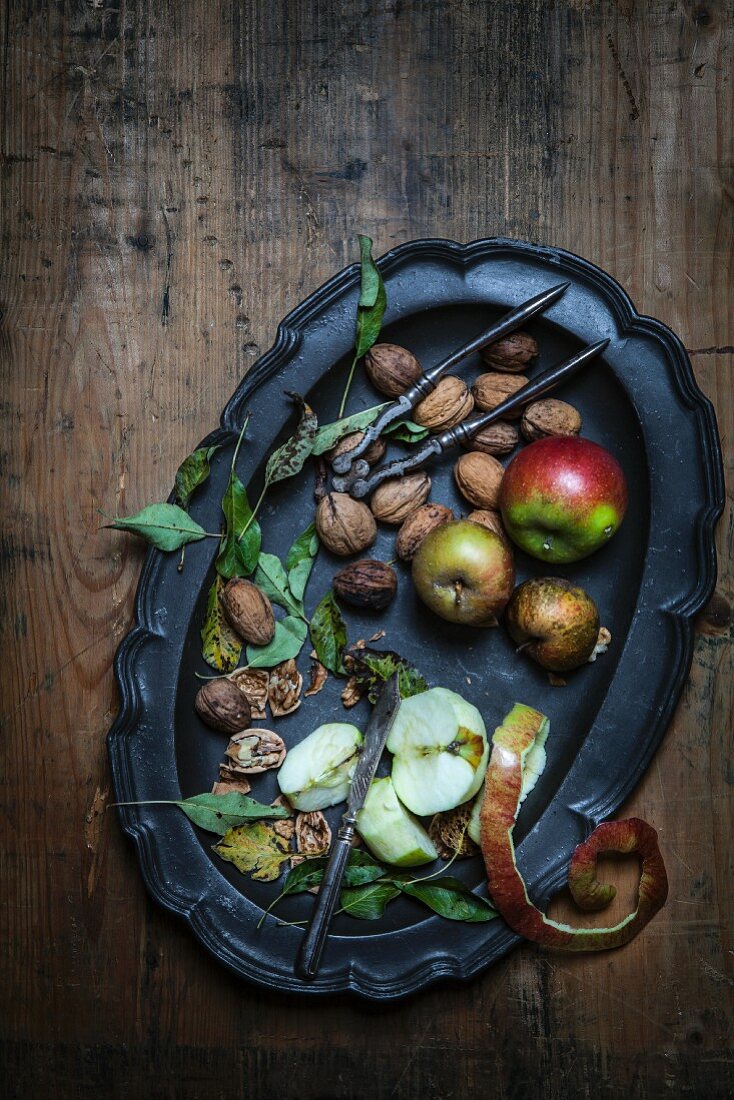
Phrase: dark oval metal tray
[642,402]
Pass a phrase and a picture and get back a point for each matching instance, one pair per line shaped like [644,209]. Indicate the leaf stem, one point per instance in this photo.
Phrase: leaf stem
[253,513]
[345,395]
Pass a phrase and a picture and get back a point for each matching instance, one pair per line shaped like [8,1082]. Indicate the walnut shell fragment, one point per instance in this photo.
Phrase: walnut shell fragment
[602,643]
[352,692]
[345,526]
[478,478]
[253,683]
[512,353]
[284,688]
[491,389]
[549,417]
[396,498]
[448,404]
[254,751]
[418,524]
[313,836]
[248,611]
[448,831]
[231,784]
[319,676]
[222,707]
[391,369]
[497,439]
[284,827]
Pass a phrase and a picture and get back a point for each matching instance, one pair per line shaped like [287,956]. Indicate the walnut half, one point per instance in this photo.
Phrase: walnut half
[254,751]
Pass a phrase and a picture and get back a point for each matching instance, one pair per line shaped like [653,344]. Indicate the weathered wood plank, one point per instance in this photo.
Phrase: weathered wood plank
[175,178]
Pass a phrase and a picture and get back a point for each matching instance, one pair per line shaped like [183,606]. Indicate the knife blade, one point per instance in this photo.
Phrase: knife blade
[375,736]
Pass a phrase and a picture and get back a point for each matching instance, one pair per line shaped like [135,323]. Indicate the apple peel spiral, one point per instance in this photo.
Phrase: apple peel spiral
[511,743]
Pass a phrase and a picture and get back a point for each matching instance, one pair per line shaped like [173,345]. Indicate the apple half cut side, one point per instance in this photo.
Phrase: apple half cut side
[512,742]
[390,832]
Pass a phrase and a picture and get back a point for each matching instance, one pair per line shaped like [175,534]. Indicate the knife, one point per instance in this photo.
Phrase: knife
[378,728]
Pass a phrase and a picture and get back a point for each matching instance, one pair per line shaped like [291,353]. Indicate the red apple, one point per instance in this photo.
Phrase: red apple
[464,573]
[562,498]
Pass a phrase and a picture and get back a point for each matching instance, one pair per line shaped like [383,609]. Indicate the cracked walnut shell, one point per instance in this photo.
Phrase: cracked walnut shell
[446,406]
[345,526]
[254,751]
[253,683]
[284,688]
[478,478]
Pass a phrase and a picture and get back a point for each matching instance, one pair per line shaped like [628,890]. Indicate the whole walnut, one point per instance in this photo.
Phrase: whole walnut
[490,519]
[366,583]
[344,525]
[248,611]
[391,369]
[478,478]
[446,406]
[550,417]
[497,439]
[491,389]
[372,455]
[396,498]
[222,706]
[511,353]
[418,524]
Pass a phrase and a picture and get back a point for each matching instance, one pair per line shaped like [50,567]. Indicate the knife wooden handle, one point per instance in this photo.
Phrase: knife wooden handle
[312,947]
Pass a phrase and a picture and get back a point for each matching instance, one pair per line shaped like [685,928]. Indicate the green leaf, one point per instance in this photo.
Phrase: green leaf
[367,902]
[165,526]
[255,848]
[299,561]
[237,556]
[287,642]
[221,647]
[329,634]
[361,868]
[406,431]
[372,667]
[289,458]
[450,898]
[330,434]
[270,577]
[372,300]
[217,813]
[192,473]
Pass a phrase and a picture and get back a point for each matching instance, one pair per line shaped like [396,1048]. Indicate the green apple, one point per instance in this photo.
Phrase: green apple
[390,832]
[316,772]
[464,573]
[440,751]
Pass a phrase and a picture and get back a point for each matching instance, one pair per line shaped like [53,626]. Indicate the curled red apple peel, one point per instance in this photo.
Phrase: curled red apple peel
[511,743]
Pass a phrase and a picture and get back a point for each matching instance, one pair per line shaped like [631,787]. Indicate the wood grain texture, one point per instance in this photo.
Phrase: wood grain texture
[175,177]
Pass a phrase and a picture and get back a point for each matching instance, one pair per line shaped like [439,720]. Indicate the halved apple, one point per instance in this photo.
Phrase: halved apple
[316,772]
[390,832]
[440,751]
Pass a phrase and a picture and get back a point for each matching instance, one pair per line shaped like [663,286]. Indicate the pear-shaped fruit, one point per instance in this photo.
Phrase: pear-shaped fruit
[316,772]
[533,766]
[440,751]
[390,832]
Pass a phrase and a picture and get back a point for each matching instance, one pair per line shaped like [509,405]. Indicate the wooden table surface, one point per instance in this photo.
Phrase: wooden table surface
[176,177]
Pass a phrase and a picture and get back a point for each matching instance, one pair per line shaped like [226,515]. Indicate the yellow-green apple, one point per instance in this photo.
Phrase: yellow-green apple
[554,622]
[464,573]
[390,832]
[439,746]
[562,498]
